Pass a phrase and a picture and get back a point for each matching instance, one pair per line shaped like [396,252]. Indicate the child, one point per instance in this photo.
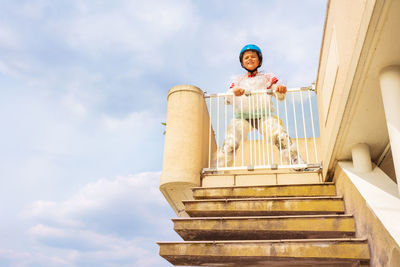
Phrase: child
[255,112]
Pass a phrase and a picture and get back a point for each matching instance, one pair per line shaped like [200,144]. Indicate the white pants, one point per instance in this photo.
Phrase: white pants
[269,126]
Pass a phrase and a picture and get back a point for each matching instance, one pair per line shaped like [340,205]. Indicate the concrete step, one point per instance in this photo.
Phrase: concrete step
[264,206]
[316,252]
[257,178]
[306,190]
[266,228]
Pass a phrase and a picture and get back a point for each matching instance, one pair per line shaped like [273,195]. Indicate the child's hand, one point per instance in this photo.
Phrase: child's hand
[238,91]
[281,89]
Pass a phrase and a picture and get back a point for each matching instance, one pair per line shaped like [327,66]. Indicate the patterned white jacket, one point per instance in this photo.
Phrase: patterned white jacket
[257,105]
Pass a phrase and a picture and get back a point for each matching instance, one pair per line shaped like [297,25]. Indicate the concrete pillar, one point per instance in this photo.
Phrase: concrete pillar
[361,158]
[389,79]
[186,147]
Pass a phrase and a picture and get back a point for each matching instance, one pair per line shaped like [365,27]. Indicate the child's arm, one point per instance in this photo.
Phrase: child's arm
[238,91]
[280,90]
[233,90]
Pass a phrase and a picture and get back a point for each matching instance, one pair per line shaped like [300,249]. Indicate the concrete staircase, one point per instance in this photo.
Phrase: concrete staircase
[275,225]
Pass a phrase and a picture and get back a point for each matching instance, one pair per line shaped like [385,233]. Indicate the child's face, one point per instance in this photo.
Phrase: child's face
[250,60]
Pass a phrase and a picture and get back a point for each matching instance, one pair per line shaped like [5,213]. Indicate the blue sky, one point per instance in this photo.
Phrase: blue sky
[83,87]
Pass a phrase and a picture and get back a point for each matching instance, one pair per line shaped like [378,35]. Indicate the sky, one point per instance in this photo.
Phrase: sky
[83,92]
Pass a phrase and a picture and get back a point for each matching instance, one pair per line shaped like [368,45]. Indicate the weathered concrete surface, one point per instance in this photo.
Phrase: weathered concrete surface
[286,225]
[385,251]
[265,228]
[264,206]
[186,147]
[331,252]
[257,178]
[306,190]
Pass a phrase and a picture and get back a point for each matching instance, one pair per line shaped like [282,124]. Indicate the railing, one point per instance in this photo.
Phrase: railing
[258,131]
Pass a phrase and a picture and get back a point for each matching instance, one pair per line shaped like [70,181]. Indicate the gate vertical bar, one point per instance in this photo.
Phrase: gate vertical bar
[313,130]
[295,126]
[304,124]
[217,128]
[209,135]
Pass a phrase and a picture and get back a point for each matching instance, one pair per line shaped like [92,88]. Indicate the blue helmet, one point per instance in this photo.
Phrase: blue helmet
[251,47]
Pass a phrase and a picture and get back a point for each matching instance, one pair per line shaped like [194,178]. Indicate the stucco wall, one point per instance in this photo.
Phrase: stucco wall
[345,29]
[383,248]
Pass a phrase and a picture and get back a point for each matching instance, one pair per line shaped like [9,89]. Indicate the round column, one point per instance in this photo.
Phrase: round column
[361,158]
[389,79]
[185,146]
[184,136]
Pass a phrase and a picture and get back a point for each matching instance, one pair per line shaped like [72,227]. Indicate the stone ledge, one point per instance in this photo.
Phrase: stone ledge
[284,252]
[326,189]
[268,227]
[265,206]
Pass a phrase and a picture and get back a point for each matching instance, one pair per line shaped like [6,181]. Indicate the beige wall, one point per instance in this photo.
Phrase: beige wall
[386,164]
[339,52]
[259,153]
[384,250]
[257,178]
[358,42]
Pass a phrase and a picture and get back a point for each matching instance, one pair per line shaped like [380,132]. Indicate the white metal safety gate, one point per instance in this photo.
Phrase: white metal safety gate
[298,119]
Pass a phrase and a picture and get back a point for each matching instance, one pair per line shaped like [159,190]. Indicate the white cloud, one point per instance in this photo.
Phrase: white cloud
[10,257]
[111,252]
[140,26]
[8,37]
[86,241]
[126,196]
[107,206]
[14,67]
[34,9]
[93,222]
[75,106]
[77,239]
[135,122]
